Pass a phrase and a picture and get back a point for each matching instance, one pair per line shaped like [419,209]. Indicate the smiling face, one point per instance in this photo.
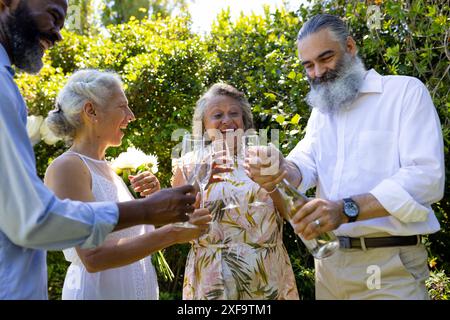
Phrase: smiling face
[334,70]
[113,118]
[223,113]
[321,55]
[34,27]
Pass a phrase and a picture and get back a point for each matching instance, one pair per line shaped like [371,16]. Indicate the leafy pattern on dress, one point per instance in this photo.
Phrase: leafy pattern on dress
[242,256]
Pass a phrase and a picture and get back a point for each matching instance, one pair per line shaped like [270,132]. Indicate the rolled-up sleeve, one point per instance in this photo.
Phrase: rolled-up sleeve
[409,193]
[303,156]
[31,215]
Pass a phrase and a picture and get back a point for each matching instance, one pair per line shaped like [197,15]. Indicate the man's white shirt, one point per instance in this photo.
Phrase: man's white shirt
[389,143]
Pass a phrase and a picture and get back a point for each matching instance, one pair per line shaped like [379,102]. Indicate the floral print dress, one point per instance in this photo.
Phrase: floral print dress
[242,257]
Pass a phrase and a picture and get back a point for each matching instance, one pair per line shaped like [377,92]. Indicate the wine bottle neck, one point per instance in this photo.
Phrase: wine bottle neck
[286,185]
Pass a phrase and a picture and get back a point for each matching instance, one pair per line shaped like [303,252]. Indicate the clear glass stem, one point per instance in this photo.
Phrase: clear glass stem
[202,195]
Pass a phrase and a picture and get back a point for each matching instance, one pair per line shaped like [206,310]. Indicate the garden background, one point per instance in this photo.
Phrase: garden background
[166,67]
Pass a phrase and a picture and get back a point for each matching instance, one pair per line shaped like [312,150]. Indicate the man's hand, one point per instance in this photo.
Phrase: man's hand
[329,214]
[264,165]
[162,207]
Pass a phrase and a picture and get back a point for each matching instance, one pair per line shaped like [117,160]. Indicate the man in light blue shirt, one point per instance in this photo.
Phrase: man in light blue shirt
[32,219]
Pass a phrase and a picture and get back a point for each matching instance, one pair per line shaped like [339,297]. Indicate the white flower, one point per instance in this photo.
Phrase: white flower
[134,158]
[47,134]
[33,126]
[152,163]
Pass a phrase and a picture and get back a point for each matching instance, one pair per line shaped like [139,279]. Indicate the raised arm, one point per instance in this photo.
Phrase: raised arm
[31,215]
[70,178]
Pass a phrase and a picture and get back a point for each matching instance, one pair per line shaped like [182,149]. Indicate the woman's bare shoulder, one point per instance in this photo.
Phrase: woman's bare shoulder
[67,167]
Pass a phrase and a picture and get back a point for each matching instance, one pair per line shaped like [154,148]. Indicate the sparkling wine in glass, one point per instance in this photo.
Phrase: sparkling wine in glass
[250,144]
[204,169]
[191,149]
[221,149]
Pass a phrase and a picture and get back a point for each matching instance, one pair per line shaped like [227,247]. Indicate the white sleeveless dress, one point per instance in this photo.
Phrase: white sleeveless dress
[136,281]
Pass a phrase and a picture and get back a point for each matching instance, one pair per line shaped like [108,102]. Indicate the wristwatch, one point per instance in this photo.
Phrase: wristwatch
[351,209]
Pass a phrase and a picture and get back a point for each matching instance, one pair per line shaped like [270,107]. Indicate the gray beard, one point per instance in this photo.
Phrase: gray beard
[331,96]
[23,35]
[27,56]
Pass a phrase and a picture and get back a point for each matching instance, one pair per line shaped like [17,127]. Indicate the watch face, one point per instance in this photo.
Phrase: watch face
[351,209]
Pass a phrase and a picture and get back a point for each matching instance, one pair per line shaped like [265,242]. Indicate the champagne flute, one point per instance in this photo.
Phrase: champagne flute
[189,162]
[204,172]
[220,147]
[250,144]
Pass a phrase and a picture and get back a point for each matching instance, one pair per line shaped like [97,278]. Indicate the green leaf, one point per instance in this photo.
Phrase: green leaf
[392,53]
[270,96]
[292,75]
[161,266]
[295,119]
[280,119]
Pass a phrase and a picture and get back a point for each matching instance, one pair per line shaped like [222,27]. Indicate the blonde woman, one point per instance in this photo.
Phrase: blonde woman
[92,113]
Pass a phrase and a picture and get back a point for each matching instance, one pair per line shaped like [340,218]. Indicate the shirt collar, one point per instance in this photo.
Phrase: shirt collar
[372,82]
[4,60]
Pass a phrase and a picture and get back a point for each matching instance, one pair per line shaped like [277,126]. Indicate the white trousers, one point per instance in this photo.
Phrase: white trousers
[380,273]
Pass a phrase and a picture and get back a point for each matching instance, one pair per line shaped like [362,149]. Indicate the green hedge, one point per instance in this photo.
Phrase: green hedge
[166,68]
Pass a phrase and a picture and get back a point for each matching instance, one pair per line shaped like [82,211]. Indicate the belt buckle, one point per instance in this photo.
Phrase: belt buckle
[345,242]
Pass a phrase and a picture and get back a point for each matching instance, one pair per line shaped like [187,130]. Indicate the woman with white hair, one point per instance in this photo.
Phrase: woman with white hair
[91,114]
[242,257]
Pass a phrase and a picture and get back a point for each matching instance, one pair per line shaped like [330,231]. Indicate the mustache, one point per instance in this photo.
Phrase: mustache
[329,76]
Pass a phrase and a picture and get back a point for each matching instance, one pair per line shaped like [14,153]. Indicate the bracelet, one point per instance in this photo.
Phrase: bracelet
[274,189]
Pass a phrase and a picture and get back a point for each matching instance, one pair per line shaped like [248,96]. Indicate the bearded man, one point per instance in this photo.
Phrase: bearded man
[373,149]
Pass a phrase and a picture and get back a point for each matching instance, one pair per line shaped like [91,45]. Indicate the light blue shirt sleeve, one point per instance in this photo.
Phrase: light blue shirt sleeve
[31,215]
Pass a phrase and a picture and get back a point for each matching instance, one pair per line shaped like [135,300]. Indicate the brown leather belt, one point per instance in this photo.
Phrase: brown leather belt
[366,243]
